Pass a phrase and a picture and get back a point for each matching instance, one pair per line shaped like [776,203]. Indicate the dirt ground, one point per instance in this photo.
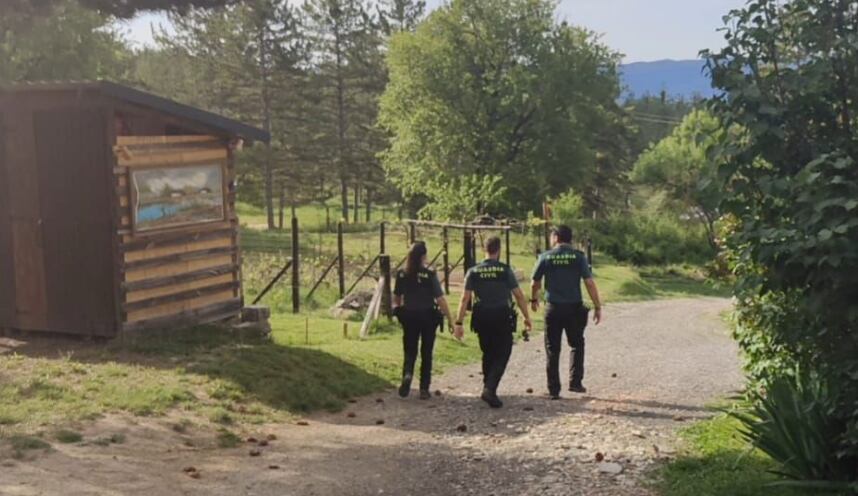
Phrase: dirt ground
[651,369]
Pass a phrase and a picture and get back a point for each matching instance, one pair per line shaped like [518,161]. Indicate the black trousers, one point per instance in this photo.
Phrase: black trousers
[419,333]
[570,319]
[493,326]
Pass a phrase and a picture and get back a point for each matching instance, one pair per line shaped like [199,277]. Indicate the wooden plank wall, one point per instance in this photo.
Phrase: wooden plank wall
[184,276]
[7,267]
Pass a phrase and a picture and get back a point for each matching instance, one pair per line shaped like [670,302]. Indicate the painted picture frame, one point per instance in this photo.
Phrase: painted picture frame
[173,197]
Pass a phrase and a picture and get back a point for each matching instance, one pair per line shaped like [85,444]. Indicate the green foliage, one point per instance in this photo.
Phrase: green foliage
[651,239]
[788,75]
[716,461]
[66,436]
[794,422]
[464,197]
[680,165]
[655,117]
[497,89]
[67,43]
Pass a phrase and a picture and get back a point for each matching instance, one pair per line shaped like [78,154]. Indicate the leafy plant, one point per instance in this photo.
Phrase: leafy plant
[787,78]
[794,422]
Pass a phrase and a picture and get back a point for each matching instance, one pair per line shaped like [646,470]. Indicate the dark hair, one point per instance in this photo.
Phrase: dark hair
[492,245]
[563,233]
[415,258]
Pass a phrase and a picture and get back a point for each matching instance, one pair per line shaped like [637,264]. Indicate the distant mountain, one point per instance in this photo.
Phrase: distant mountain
[679,78]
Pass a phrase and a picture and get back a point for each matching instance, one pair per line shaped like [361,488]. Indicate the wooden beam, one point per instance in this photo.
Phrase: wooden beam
[162,282]
[469,227]
[202,315]
[176,297]
[179,257]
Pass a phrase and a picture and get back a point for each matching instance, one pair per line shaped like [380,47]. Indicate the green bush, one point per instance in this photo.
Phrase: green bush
[794,422]
[651,239]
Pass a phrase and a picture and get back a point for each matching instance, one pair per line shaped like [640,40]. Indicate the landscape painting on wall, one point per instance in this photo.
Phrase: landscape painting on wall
[180,196]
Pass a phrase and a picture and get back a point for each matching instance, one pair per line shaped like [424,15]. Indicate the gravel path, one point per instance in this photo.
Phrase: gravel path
[651,368]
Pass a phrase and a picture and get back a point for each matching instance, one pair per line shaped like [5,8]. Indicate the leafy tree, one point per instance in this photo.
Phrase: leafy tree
[655,117]
[681,166]
[68,42]
[346,52]
[26,9]
[789,76]
[397,16]
[248,58]
[497,89]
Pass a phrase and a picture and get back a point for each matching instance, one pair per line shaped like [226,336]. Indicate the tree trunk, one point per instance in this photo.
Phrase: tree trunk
[282,206]
[341,123]
[357,203]
[266,125]
[368,202]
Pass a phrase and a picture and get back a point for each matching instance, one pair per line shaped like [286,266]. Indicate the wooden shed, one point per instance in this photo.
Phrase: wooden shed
[117,210]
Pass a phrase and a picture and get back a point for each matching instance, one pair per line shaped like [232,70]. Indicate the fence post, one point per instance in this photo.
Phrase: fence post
[386,302]
[296,271]
[341,261]
[506,243]
[381,246]
[469,250]
[547,226]
[446,247]
[590,252]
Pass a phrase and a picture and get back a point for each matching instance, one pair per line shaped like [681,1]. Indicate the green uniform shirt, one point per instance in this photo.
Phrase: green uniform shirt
[491,282]
[563,268]
[419,293]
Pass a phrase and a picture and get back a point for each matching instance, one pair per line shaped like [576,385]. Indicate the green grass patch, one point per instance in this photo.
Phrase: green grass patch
[717,462]
[227,439]
[21,444]
[66,436]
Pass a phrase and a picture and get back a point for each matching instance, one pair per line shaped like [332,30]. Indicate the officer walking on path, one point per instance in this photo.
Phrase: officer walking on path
[563,268]
[418,304]
[489,285]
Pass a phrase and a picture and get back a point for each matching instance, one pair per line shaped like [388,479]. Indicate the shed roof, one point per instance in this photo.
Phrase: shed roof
[160,104]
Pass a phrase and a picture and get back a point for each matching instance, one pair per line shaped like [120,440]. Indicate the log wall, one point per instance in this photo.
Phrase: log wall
[183,275]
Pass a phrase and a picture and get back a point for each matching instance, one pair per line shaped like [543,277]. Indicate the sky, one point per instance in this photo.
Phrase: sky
[643,30]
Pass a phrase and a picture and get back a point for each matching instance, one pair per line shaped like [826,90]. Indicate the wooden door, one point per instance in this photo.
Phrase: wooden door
[76,219]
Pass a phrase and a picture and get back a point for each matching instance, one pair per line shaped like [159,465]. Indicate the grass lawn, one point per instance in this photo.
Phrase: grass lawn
[208,376]
[715,461]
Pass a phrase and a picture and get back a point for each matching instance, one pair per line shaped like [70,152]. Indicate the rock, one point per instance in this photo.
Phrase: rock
[379,400]
[599,456]
[263,442]
[194,475]
[255,313]
[638,434]
[188,470]
[610,468]
[252,440]
[614,375]
[303,423]
[528,409]
[379,422]
[529,390]
[274,467]
[462,428]
[679,418]
[352,401]
[438,392]
[271,437]
[351,415]
[246,330]
[255,452]
[352,304]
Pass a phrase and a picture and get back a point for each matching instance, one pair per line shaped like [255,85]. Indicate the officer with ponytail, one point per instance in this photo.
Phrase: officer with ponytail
[418,302]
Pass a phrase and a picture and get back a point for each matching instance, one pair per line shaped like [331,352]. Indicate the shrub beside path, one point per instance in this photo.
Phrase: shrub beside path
[652,368]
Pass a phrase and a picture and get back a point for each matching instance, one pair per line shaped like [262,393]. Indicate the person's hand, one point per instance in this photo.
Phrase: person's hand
[459,332]
[528,325]
[597,315]
[534,305]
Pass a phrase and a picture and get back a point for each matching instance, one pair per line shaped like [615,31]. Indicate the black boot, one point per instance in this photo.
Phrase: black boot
[491,398]
[577,388]
[405,387]
[425,394]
